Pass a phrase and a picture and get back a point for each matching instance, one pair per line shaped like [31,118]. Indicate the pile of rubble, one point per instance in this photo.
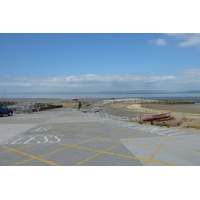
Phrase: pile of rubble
[27,106]
[98,108]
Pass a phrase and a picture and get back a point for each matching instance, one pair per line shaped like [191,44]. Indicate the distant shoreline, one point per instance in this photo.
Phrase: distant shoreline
[50,100]
[45,100]
[194,97]
[185,109]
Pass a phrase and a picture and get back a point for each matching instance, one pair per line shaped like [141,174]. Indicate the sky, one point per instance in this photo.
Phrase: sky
[98,62]
[143,56]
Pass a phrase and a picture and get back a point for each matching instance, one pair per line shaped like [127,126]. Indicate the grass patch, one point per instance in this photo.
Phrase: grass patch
[183,122]
[190,122]
[175,102]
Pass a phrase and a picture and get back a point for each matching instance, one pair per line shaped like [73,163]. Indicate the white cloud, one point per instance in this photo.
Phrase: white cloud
[159,41]
[190,72]
[186,79]
[189,39]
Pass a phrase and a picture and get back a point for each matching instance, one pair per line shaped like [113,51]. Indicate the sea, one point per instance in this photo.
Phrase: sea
[187,96]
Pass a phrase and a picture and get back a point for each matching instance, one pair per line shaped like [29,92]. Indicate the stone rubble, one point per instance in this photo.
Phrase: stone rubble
[27,106]
[98,107]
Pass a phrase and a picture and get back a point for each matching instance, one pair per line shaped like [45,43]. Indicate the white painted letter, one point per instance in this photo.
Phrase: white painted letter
[33,138]
[36,130]
[46,140]
[175,134]
[18,140]
[45,129]
[55,141]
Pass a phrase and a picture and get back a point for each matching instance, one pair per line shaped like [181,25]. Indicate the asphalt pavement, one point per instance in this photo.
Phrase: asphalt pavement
[65,137]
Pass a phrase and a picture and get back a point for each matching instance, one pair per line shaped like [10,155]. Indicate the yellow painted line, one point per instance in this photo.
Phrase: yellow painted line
[195,140]
[123,133]
[40,156]
[85,131]
[78,147]
[99,151]
[150,158]
[151,136]
[75,145]
[125,156]
[164,163]
[111,153]
[96,126]
[79,135]
[22,162]
[54,151]
[117,140]
[5,151]
[69,146]
[66,127]
[103,139]
[89,140]
[87,125]
[109,148]
[26,146]
[79,163]
[193,150]
[146,144]
[170,138]
[35,157]
[92,137]
[18,148]
[53,126]
[59,132]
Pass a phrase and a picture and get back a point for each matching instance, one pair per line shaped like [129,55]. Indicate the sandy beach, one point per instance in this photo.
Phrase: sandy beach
[184,109]
[137,109]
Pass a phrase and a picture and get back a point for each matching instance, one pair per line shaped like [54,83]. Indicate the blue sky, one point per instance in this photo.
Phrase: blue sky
[96,62]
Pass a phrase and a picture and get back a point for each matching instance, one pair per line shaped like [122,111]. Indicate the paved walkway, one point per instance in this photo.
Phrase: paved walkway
[64,137]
